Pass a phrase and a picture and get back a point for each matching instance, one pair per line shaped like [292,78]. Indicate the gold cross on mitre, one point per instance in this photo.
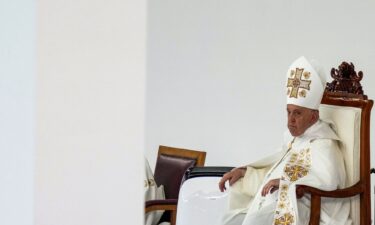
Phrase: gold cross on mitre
[296,82]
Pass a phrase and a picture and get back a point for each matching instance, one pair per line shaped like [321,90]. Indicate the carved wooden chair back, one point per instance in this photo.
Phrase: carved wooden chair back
[345,104]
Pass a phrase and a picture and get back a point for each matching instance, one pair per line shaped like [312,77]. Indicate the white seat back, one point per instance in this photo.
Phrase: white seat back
[348,123]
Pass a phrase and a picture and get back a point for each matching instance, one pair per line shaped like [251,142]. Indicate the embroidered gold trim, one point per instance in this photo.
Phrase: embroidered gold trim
[286,219]
[306,75]
[297,167]
[295,172]
[150,182]
[302,94]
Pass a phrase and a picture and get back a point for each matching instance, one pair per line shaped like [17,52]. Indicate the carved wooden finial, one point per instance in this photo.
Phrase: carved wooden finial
[346,81]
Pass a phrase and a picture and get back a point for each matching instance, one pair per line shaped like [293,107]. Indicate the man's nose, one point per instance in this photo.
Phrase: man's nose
[291,119]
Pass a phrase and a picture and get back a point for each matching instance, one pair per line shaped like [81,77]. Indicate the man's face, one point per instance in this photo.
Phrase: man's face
[300,118]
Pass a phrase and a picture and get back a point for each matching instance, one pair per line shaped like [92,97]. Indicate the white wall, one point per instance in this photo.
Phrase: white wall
[90,112]
[216,69]
[72,91]
[17,117]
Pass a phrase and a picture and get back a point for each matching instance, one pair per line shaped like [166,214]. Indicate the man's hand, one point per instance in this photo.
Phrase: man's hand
[232,177]
[270,187]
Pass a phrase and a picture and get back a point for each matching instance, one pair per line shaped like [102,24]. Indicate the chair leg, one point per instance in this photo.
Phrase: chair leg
[315,210]
[173,217]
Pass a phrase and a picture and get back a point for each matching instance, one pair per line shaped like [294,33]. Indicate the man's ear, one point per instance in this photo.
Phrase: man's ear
[315,116]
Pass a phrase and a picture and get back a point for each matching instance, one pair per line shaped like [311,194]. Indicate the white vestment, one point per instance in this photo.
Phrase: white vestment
[312,159]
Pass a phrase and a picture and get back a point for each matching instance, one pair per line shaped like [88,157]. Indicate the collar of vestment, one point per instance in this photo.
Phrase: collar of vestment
[319,130]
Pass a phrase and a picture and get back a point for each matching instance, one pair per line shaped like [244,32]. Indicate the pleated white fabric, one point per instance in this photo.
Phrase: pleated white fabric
[313,159]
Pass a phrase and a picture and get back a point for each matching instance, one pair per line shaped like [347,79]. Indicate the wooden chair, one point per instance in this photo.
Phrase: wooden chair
[171,165]
[345,104]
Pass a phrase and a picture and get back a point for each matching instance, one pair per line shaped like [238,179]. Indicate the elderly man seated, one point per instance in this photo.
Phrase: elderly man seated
[264,192]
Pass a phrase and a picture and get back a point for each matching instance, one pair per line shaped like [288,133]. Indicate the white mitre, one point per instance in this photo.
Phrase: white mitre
[305,83]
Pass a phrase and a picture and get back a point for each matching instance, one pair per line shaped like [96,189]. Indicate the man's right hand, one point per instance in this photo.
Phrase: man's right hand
[232,177]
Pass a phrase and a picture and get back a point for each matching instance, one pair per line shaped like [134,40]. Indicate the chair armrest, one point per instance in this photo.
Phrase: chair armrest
[316,195]
[338,193]
[164,204]
[207,171]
